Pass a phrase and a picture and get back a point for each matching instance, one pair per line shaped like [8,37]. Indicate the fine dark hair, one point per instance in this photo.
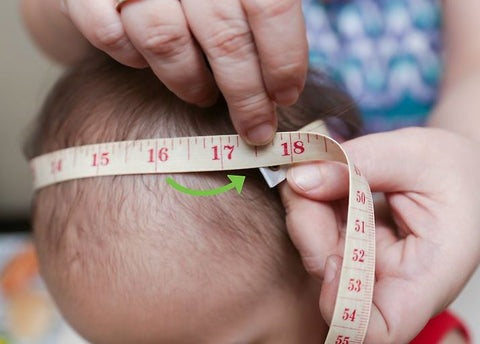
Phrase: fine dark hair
[132,235]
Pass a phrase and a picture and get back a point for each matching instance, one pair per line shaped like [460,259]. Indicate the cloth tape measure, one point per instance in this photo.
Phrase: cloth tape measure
[230,152]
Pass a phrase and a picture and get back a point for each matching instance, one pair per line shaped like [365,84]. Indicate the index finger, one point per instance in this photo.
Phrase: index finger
[222,29]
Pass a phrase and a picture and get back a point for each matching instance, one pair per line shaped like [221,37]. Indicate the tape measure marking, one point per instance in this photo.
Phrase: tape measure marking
[171,155]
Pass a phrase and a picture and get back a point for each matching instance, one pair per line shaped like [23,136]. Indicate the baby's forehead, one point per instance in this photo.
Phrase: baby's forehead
[166,278]
[142,215]
[200,313]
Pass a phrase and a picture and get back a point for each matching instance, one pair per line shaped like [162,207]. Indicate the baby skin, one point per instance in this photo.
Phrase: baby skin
[130,260]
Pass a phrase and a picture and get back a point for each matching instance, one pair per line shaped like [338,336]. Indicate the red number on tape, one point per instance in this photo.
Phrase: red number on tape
[342,340]
[361,198]
[56,166]
[358,255]
[298,148]
[103,161]
[226,147]
[349,315]
[162,154]
[359,226]
[355,285]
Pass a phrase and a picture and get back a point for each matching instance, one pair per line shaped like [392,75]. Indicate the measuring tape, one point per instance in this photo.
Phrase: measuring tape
[230,152]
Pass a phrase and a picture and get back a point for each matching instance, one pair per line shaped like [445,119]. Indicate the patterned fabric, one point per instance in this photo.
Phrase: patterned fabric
[385,54]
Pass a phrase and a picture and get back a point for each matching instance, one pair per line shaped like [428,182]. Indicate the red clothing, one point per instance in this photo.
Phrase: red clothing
[438,327]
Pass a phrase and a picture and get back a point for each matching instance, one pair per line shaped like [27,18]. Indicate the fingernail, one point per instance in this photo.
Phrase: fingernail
[261,134]
[331,269]
[287,96]
[306,177]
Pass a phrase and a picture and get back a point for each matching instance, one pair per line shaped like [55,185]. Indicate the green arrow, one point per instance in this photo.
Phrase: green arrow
[237,183]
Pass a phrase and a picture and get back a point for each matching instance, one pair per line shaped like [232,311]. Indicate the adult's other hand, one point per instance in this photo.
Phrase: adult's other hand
[426,249]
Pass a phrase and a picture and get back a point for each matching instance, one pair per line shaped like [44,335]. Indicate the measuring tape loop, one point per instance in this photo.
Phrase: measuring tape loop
[229,152]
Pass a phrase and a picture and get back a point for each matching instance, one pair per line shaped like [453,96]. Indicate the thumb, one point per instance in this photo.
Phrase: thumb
[391,162]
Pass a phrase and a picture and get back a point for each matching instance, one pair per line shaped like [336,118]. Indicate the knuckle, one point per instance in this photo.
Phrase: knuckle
[314,265]
[202,94]
[109,35]
[255,107]
[270,8]
[294,70]
[166,40]
[236,40]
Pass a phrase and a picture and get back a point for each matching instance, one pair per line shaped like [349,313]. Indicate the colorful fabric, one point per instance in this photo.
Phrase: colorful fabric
[439,327]
[385,54]
[27,313]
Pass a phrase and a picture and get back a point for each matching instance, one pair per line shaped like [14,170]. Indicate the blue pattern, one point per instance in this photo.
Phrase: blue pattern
[386,54]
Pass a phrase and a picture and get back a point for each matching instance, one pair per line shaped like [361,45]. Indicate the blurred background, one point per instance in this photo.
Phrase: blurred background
[26,314]
[25,77]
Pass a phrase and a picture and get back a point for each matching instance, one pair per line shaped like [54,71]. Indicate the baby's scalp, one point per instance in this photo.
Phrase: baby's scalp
[119,251]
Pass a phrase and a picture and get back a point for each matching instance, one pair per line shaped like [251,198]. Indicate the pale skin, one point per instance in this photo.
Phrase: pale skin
[156,33]
[257,52]
[429,247]
[429,200]
[267,316]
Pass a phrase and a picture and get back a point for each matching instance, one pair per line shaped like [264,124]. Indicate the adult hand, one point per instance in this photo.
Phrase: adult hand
[257,50]
[426,250]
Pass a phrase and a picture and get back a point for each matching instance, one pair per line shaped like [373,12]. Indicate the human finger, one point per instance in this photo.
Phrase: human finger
[330,283]
[396,161]
[321,180]
[315,229]
[405,277]
[413,283]
[100,23]
[222,30]
[159,31]
[395,315]
[280,37]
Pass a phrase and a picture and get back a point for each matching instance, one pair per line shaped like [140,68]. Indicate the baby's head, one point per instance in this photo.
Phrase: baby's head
[128,259]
